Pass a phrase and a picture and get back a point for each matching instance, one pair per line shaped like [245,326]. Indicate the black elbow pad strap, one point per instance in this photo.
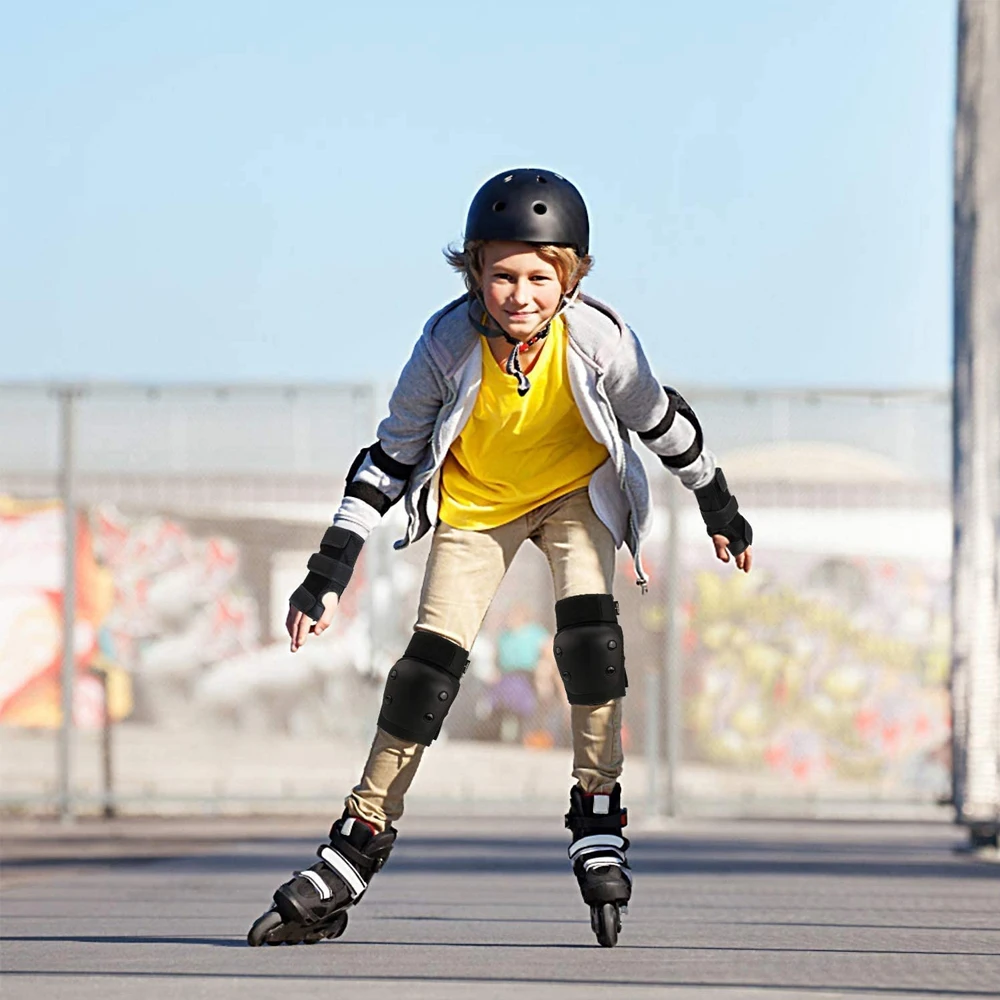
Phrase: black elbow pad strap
[330,569]
[720,512]
[368,493]
[665,424]
[389,465]
[371,495]
[676,403]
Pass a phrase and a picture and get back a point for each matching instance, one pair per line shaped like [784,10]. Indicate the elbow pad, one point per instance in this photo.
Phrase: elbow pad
[330,569]
[721,515]
[676,403]
[383,467]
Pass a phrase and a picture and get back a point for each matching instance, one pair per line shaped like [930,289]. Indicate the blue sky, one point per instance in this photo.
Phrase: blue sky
[260,191]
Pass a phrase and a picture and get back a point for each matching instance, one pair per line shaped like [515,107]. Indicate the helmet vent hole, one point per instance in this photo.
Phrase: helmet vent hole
[539,208]
[499,206]
[541,179]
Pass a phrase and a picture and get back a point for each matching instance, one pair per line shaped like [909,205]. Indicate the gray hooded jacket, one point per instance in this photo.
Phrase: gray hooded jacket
[611,383]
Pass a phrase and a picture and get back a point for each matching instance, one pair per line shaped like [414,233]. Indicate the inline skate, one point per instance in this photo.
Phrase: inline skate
[313,904]
[599,862]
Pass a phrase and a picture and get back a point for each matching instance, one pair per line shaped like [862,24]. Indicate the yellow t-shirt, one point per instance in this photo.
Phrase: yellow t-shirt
[518,452]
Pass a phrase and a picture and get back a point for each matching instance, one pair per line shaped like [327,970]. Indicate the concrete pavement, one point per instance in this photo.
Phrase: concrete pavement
[487,906]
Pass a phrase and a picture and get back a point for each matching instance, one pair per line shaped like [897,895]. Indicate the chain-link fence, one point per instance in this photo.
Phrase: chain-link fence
[818,681]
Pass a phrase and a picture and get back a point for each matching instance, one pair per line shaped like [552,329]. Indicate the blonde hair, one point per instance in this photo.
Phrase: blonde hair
[568,264]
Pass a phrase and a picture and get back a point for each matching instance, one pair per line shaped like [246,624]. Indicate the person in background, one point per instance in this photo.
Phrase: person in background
[514,697]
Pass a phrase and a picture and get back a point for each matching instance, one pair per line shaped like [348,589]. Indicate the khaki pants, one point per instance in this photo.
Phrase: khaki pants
[464,570]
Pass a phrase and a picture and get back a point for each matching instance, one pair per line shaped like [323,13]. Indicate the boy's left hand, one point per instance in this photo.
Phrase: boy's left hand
[743,560]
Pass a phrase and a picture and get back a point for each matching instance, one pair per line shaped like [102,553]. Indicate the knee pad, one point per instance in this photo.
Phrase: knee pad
[421,687]
[589,648]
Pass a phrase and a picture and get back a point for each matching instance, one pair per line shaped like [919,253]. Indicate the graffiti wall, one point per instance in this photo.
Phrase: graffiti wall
[31,601]
[152,603]
[165,614]
[179,605]
[818,668]
[819,672]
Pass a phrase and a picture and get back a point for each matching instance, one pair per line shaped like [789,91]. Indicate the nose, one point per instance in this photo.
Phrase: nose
[522,291]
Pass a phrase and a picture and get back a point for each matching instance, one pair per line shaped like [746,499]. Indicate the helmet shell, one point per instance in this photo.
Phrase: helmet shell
[530,205]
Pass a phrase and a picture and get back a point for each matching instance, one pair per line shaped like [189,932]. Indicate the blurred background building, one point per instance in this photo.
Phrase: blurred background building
[819,682]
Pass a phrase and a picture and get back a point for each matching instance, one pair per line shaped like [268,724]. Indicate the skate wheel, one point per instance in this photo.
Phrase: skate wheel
[337,928]
[262,928]
[604,920]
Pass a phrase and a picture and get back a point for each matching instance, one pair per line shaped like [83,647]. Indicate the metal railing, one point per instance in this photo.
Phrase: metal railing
[257,469]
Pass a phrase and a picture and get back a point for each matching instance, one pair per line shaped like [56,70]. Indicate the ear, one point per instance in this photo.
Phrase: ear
[575,277]
[571,295]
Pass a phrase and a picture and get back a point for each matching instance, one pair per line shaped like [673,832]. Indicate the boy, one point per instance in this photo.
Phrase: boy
[509,422]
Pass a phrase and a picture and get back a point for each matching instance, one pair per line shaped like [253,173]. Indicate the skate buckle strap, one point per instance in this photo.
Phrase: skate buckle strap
[596,840]
[612,822]
[321,887]
[351,876]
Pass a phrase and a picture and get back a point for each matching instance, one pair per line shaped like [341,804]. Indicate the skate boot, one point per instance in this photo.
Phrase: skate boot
[599,862]
[313,905]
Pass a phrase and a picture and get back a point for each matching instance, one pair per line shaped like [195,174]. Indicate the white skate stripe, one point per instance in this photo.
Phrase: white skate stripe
[588,860]
[596,840]
[345,870]
[321,887]
[604,862]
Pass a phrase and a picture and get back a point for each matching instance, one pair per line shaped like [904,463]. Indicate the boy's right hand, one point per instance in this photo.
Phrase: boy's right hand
[299,625]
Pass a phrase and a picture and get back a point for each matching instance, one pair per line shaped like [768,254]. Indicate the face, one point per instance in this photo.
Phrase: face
[521,291]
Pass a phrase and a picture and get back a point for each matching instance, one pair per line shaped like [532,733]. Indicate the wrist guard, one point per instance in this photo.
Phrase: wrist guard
[720,512]
[330,569]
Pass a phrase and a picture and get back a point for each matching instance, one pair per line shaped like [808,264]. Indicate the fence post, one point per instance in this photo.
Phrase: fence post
[976,493]
[654,734]
[67,404]
[671,646]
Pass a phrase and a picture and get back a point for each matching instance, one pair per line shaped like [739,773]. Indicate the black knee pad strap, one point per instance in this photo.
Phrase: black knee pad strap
[421,687]
[590,649]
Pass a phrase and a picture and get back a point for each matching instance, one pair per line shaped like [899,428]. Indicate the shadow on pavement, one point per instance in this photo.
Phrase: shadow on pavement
[217,941]
[655,856]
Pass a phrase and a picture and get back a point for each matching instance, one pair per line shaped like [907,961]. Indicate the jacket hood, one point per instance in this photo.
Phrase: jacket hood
[594,328]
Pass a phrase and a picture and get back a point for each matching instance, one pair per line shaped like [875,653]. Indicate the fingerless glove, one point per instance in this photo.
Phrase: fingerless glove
[330,569]
[720,512]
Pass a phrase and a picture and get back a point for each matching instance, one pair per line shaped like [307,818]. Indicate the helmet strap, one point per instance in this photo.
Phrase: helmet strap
[512,366]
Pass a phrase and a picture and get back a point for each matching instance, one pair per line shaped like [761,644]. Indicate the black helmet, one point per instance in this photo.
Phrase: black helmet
[529,206]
